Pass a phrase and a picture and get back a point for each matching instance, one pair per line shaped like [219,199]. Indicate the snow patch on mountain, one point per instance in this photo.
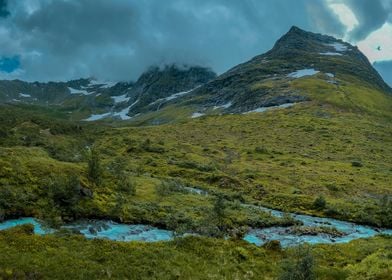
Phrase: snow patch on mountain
[120,98]
[101,84]
[302,73]
[197,115]
[174,96]
[96,117]
[78,91]
[339,47]
[123,114]
[263,109]
[331,53]
[223,106]
[24,95]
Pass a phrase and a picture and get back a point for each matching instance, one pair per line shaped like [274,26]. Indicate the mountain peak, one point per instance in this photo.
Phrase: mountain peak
[295,29]
[304,49]
[300,65]
[297,40]
[174,70]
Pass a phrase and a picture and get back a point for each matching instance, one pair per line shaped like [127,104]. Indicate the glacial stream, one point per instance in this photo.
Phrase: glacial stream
[288,236]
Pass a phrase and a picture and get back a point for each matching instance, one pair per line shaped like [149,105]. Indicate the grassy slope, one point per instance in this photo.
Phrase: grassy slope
[281,158]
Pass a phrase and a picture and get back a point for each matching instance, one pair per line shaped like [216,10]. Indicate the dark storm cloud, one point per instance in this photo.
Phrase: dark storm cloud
[9,64]
[371,15]
[385,69]
[3,9]
[118,39]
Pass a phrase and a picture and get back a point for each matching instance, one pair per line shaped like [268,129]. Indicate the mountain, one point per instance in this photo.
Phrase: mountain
[278,76]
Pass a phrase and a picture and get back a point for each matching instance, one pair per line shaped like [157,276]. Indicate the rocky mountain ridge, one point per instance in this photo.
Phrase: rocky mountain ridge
[299,62]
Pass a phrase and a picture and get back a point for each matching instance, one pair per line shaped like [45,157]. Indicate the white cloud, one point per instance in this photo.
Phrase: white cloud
[378,45]
[345,15]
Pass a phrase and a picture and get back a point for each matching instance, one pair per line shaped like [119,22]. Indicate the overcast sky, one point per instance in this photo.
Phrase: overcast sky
[118,39]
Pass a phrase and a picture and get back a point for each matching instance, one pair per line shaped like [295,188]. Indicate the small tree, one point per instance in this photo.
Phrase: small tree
[94,167]
[65,192]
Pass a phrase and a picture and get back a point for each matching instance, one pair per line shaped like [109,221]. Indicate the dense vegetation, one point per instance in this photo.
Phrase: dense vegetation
[331,156]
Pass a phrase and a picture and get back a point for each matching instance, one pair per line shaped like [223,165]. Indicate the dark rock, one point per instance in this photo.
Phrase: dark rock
[92,230]
[86,192]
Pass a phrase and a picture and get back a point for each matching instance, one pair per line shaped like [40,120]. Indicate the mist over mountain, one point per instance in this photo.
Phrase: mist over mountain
[65,40]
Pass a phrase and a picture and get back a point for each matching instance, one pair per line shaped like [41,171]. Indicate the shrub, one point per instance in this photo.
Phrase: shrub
[273,245]
[117,166]
[195,165]
[238,233]
[261,150]
[167,187]
[319,203]
[356,164]
[148,147]
[300,266]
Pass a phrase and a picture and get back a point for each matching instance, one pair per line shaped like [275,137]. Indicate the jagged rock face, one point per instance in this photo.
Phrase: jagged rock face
[157,84]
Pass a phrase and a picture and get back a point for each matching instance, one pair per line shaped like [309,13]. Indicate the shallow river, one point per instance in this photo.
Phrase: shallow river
[124,232]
